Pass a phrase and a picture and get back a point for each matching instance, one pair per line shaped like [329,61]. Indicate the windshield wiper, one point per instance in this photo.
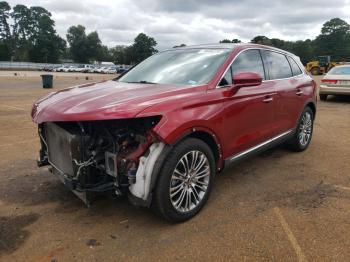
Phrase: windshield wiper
[141,82]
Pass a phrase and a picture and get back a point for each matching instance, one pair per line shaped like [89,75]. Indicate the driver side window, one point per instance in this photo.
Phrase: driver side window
[249,61]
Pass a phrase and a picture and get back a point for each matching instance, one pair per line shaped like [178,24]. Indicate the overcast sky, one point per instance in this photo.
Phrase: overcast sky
[173,22]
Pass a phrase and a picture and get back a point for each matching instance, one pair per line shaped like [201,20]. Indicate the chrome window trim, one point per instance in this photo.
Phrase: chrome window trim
[259,48]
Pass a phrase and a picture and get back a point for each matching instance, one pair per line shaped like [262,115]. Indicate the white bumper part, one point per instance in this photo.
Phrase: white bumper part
[142,185]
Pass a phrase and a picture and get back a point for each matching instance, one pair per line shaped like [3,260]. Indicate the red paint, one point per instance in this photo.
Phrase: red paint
[329,81]
[239,117]
[246,79]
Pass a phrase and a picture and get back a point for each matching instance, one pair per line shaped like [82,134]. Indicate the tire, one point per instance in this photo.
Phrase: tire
[323,97]
[303,133]
[173,177]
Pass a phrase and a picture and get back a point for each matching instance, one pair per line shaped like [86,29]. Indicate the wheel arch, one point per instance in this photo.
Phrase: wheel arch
[205,135]
[312,106]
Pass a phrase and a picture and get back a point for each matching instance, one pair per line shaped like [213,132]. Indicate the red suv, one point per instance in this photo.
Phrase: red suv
[162,131]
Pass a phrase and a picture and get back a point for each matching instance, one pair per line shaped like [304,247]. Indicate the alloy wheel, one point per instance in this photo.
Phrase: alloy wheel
[305,129]
[189,181]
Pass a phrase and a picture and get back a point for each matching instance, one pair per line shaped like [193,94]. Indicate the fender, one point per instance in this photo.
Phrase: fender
[145,199]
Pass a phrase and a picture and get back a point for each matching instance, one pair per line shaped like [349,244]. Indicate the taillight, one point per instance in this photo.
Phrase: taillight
[331,81]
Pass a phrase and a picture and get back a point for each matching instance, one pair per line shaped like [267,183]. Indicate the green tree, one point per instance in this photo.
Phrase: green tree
[105,54]
[334,40]
[45,44]
[303,49]
[119,54]
[84,48]
[94,46]
[143,47]
[235,41]
[34,36]
[335,26]
[261,39]
[5,33]
[78,46]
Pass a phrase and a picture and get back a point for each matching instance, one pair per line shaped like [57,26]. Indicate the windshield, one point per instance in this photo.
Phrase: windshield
[340,71]
[178,67]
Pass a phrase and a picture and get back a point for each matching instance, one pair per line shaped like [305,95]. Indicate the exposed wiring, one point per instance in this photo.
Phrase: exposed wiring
[83,164]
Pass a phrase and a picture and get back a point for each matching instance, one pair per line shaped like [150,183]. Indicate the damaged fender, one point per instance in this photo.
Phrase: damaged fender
[142,186]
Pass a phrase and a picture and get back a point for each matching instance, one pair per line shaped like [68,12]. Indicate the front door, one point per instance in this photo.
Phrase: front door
[249,113]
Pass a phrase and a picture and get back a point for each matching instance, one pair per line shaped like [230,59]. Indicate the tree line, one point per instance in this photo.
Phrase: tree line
[32,37]
[333,40]
[28,34]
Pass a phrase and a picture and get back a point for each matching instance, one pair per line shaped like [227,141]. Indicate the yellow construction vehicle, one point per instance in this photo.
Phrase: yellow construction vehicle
[321,66]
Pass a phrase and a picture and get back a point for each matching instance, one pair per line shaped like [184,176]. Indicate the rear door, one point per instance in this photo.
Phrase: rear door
[288,103]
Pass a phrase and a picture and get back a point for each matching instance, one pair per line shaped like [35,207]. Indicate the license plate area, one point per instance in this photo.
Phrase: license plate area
[344,82]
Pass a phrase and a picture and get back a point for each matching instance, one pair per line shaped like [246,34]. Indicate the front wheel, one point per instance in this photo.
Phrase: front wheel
[303,133]
[185,180]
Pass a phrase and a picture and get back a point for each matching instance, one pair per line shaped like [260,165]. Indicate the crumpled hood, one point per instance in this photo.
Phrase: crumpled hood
[102,101]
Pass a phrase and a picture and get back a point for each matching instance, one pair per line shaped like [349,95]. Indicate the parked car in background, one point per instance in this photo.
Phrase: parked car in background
[79,68]
[162,132]
[335,82]
[70,69]
[87,68]
[97,69]
[91,69]
[48,68]
[102,69]
[122,69]
[62,68]
[110,70]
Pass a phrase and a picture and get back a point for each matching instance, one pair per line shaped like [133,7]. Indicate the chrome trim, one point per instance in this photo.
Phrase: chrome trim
[260,48]
[260,145]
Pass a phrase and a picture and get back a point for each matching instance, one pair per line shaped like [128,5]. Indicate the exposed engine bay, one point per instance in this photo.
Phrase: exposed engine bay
[99,156]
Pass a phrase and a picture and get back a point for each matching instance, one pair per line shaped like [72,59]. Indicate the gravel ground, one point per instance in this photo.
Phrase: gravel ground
[279,205]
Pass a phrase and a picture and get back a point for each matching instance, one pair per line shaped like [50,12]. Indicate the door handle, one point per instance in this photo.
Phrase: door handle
[299,93]
[268,99]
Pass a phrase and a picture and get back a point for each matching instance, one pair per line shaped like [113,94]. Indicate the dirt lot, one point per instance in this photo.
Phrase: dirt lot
[277,206]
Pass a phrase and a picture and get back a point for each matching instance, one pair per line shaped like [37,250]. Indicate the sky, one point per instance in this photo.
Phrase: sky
[174,22]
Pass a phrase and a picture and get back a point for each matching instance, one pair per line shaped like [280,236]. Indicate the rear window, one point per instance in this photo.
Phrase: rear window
[340,71]
[278,65]
[295,68]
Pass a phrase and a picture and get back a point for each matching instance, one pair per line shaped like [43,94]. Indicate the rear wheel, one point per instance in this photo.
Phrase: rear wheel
[303,133]
[323,97]
[185,180]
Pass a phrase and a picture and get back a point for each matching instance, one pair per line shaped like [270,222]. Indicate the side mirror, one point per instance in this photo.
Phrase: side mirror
[246,79]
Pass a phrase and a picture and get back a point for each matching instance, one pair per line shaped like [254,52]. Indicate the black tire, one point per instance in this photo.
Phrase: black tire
[323,97]
[295,142]
[161,201]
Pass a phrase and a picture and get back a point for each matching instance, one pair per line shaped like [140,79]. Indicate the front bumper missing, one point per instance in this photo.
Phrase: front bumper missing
[85,194]
[63,151]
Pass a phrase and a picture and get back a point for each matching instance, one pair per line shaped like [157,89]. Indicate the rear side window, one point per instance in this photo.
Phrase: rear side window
[295,68]
[278,65]
[249,61]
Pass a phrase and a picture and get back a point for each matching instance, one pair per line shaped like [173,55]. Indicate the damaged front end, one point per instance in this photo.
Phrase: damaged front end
[98,156]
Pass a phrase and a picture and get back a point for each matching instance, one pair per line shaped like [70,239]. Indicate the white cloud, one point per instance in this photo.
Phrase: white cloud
[193,21]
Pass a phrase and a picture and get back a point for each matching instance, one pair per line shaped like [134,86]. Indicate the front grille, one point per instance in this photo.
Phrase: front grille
[63,147]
